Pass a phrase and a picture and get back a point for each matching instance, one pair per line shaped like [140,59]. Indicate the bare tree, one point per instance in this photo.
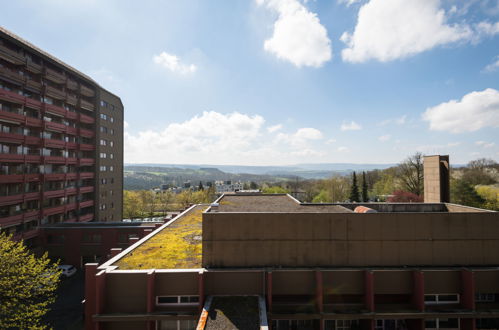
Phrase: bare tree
[410,173]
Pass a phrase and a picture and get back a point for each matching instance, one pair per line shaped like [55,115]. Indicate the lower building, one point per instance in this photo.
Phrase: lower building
[313,266]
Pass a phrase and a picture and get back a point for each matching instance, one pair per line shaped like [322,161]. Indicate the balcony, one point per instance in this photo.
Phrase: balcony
[32,158]
[33,67]
[71,100]
[86,217]
[32,177]
[33,122]
[87,147]
[88,189]
[54,159]
[56,127]
[53,210]
[51,143]
[86,161]
[71,191]
[72,206]
[71,84]
[55,93]
[11,55]
[86,133]
[9,200]
[12,117]
[12,76]
[54,176]
[86,204]
[11,138]
[54,193]
[72,130]
[13,158]
[29,234]
[34,85]
[87,175]
[11,96]
[11,220]
[32,140]
[71,145]
[87,91]
[72,160]
[54,109]
[86,119]
[31,215]
[34,104]
[11,178]
[86,105]
[31,196]
[71,176]
[71,115]
[55,76]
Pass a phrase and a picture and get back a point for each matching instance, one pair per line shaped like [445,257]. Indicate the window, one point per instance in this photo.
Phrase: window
[103,155]
[111,168]
[102,206]
[176,325]
[485,297]
[110,193]
[112,131]
[111,119]
[176,300]
[112,180]
[103,181]
[111,143]
[103,129]
[92,238]
[103,142]
[111,156]
[103,116]
[294,324]
[442,324]
[102,168]
[441,299]
[389,324]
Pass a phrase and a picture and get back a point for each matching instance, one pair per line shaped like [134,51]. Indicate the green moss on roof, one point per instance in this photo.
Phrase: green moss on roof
[175,246]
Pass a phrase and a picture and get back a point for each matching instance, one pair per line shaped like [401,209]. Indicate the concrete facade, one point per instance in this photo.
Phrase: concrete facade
[436,179]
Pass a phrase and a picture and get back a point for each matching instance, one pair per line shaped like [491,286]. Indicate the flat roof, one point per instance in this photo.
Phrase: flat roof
[177,245]
[273,203]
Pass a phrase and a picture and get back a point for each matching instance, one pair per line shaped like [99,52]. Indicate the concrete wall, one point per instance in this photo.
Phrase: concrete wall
[349,239]
[436,179]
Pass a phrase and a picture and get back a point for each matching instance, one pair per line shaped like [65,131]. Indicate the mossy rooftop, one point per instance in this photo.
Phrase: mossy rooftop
[175,246]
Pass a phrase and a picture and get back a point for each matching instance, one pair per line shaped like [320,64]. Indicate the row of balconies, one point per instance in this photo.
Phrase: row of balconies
[36,104]
[34,215]
[20,178]
[16,158]
[25,197]
[39,123]
[43,142]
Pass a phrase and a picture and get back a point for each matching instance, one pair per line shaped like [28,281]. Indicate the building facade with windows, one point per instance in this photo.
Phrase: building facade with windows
[61,143]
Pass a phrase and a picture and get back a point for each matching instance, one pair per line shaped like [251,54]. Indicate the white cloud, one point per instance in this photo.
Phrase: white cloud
[492,66]
[391,29]
[351,126]
[216,138]
[343,149]
[275,128]
[485,144]
[487,29]
[474,111]
[384,138]
[398,121]
[301,137]
[298,35]
[348,3]
[330,141]
[173,63]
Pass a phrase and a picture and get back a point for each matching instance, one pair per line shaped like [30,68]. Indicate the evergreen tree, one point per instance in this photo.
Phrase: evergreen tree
[201,188]
[462,192]
[365,198]
[354,191]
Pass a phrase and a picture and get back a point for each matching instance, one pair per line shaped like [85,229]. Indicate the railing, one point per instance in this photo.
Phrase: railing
[88,189]
[34,84]
[54,76]
[86,91]
[55,126]
[11,96]
[11,137]
[86,105]
[86,204]
[87,175]
[87,147]
[71,100]
[86,161]
[33,67]
[86,132]
[54,109]
[55,159]
[13,199]
[53,210]
[11,55]
[15,76]
[11,220]
[56,93]
[87,217]
[51,143]
[71,84]
[86,119]
[54,193]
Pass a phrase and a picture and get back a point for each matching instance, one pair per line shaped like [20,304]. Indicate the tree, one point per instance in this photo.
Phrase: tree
[27,285]
[462,192]
[253,185]
[480,172]
[365,198]
[400,196]
[200,187]
[275,190]
[132,204]
[354,191]
[384,186]
[410,172]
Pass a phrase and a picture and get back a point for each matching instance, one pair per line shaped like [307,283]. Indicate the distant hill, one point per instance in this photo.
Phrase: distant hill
[307,171]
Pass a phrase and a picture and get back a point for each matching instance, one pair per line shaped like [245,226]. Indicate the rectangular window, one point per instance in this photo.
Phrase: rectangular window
[103,155]
[111,143]
[103,142]
[102,168]
[103,181]
[176,325]
[112,131]
[441,299]
[103,129]
[485,297]
[111,119]
[103,116]
[111,168]
[177,300]
[111,156]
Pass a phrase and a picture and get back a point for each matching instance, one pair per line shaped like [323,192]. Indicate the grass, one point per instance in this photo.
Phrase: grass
[175,247]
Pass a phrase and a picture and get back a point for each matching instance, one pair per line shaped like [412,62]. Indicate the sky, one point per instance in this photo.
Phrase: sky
[279,82]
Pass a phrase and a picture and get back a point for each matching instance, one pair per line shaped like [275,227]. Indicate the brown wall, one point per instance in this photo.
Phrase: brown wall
[125,293]
[234,283]
[114,179]
[436,179]
[349,239]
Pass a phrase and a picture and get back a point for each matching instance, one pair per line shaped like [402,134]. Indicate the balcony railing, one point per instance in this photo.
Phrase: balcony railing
[88,189]
[34,104]
[33,122]
[35,85]
[54,76]
[33,67]
[70,99]
[71,84]
[54,109]
[57,127]
[86,133]
[51,143]
[86,204]
[11,96]
[13,199]
[56,93]
[54,159]
[11,220]
[12,75]
[86,91]
[11,138]
[86,105]
[86,119]
[12,116]
[53,210]
[86,161]
[54,193]
[85,218]
[87,147]
[11,55]
[86,175]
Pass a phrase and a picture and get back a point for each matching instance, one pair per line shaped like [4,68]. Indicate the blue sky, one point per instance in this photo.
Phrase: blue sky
[274,82]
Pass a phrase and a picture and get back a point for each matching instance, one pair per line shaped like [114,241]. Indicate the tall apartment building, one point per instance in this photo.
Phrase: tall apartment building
[61,143]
